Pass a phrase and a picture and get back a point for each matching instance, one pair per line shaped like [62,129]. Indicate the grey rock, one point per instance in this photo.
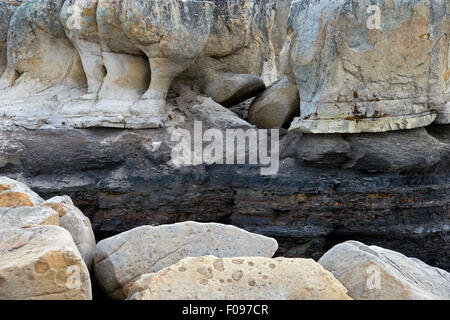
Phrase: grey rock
[374,273]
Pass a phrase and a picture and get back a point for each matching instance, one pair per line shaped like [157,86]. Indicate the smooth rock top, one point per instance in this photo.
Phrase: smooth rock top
[374,273]
[249,278]
[121,259]
[41,263]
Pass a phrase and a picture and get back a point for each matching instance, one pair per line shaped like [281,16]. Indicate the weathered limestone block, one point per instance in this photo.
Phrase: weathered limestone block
[41,263]
[7,9]
[121,259]
[79,226]
[38,48]
[276,106]
[16,194]
[246,278]
[374,273]
[356,73]
[25,217]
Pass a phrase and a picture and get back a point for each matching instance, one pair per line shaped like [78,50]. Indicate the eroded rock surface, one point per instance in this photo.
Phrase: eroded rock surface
[357,73]
[120,260]
[374,273]
[240,278]
[41,263]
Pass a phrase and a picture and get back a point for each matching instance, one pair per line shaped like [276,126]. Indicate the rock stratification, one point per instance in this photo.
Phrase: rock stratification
[120,260]
[241,278]
[26,217]
[374,273]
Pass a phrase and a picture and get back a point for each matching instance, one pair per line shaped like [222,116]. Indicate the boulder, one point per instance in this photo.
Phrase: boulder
[16,194]
[374,273]
[243,278]
[41,263]
[276,107]
[79,226]
[361,67]
[121,259]
[26,217]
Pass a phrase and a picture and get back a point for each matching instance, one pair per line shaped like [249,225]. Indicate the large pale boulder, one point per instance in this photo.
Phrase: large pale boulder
[41,263]
[7,9]
[374,273]
[121,259]
[361,67]
[25,217]
[243,278]
[79,226]
[16,194]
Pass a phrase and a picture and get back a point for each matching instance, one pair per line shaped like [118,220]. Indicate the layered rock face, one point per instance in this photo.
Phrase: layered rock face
[245,278]
[389,189]
[367,68]
[374,273]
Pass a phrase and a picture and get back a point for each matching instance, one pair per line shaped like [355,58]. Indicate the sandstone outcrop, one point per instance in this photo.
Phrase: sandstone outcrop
[121,259]
[243,278]
[223,47]
[374,273]
[42,263]
[391,74]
